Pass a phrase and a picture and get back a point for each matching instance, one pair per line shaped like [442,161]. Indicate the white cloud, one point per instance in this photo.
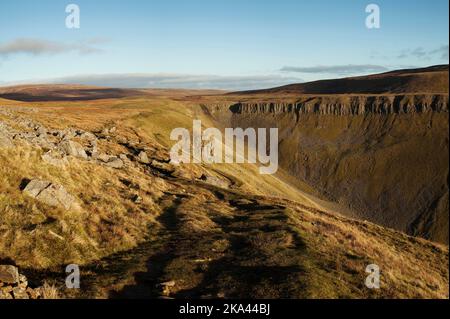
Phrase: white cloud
[41,47]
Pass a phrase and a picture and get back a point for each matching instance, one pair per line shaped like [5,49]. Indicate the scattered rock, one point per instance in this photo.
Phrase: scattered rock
[72,148]
[215,181]
[67,134]
[143,158]
[115,163]
[123,157]
[104,157]
[14,285]
[88,136]
[9,274]
[23,281]
[48,193]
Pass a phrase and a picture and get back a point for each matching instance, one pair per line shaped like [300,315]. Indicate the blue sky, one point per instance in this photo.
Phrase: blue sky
[216,43]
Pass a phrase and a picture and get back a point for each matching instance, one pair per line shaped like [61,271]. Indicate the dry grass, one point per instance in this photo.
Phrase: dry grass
[49,292]
[103,221]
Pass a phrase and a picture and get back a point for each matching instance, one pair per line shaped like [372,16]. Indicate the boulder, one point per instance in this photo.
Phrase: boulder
[143,158]
[123,157]
[88,136]
[9,274]
[48,193]
[115,163]
[73,149]
[104,157]
[215,181]
[67,134]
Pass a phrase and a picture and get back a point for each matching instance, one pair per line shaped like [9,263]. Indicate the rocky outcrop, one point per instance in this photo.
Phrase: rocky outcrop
[143,158]
[341,105]
[15,286]
[215,181]
[48,193]
[9,274]
[72,148]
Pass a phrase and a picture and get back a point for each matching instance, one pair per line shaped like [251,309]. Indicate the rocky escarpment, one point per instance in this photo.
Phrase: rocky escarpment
[59,146]
[382,157]
[346,105]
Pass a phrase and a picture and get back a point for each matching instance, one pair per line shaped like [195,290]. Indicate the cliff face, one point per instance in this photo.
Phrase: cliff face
[384,158]
[352,105]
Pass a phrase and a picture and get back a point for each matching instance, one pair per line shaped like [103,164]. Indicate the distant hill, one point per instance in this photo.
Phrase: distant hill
[69,92]
[432,79]
[62,92]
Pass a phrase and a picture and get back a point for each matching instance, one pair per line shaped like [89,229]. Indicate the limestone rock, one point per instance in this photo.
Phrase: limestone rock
[213,180]
[9,274]
[104,157]
[143,158]
[88,136]
[73,149]
[15,286]
[115,163]
[48,193]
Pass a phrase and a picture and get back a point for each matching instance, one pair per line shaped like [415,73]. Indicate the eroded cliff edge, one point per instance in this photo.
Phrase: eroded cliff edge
[385,157]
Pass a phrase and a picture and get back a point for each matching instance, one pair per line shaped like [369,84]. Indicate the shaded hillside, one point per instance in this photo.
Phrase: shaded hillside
[425,80]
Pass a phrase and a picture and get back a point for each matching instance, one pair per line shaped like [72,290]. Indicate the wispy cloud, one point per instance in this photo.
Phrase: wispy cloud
[174,81]
[36,47]
[421,53]
[442,51]
[337,69]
